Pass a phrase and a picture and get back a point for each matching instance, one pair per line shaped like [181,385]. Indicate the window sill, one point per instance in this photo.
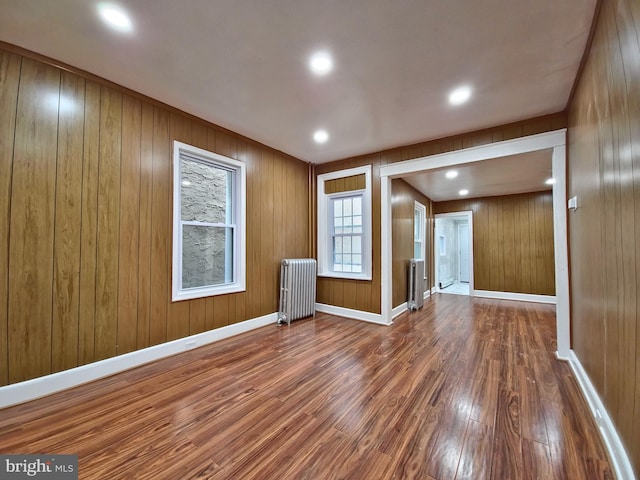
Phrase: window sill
[347,276]
[204,292]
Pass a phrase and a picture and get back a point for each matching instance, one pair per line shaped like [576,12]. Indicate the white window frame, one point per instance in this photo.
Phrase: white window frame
[325,248]
[421,210]
[238,221]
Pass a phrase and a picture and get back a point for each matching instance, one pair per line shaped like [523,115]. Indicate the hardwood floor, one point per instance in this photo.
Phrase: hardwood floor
[465,388]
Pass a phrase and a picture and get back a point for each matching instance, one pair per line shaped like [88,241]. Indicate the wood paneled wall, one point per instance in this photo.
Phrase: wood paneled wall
[604,173]
[404,197]
[86,219]
[365,296]
[512,241]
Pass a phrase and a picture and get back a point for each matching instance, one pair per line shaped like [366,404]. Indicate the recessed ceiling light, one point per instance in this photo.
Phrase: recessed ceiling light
[115,17]
[463,192]
[460,95]
[550,181]
[320,136]
[321,63]
[451,174]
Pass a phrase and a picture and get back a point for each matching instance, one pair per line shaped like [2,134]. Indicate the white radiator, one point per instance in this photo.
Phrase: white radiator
[297,289]
[416,284]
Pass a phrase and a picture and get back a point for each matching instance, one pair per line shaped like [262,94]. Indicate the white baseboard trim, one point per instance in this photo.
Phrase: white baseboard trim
[399,310]
[349,313]
[434,290]
[521,297]
[42,386]
[619,457]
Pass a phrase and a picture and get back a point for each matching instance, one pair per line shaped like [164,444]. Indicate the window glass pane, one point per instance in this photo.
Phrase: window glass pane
[357,220]
[356,244]
[357,262]
[346,244]
[417,250]
[337,245]
[337,222]
[337,208]
[206,254]
[357,206]
[347,207]
[204,192]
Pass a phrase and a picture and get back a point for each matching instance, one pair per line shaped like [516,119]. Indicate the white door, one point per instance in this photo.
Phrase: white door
[463,252]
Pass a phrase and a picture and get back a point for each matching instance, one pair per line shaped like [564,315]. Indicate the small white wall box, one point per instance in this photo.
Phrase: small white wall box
[573,203]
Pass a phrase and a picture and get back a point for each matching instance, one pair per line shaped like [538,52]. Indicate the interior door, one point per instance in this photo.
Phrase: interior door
[463,252]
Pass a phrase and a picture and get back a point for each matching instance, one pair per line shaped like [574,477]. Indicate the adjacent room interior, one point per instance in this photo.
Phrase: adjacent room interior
[470,226]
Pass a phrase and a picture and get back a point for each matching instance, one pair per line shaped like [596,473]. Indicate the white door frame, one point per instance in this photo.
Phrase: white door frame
[468,214]
[554,141]
[467,225]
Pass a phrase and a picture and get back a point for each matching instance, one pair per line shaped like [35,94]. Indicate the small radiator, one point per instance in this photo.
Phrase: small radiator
[416,284]
[297,289]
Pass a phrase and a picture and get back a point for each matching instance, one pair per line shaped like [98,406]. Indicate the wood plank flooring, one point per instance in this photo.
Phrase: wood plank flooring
[463,389]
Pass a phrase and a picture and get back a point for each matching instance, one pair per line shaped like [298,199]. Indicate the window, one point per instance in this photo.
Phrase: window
[347,233]
[209,193]
[419,219]
[344,224]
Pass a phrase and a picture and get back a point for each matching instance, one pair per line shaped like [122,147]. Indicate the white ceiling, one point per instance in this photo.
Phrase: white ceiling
[522,173]
[242,64]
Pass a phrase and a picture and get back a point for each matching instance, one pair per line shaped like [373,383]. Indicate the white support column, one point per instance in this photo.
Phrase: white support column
[386,252]
[561,251]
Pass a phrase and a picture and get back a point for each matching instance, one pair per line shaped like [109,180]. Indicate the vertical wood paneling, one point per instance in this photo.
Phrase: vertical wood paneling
[404,198]
[145,233]
[508,232]
[106,326]
[9,79]
[604,172]
[160,227]
[92,195]
[267,231]
[178,313]
[68,212]
[89,227]
[512,241]
[129,226]
[254,193]
[31,229]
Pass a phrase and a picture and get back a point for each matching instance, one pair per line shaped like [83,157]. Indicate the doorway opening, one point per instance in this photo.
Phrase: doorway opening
[453,253]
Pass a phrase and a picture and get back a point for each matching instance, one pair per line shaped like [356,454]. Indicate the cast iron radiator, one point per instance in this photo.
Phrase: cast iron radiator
[416,284]
[297,289]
